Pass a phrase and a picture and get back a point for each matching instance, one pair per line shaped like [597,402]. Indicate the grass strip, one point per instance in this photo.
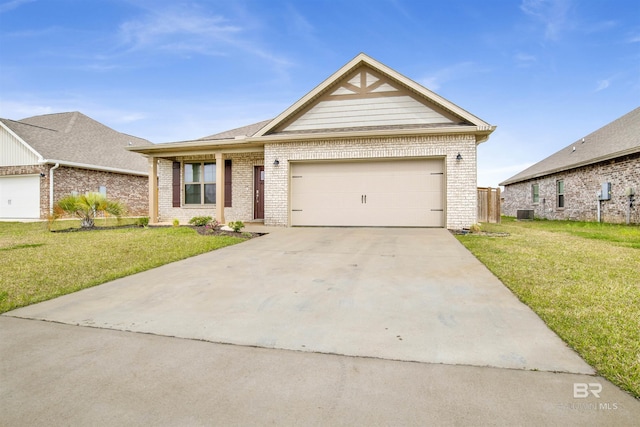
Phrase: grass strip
[48,264]
[581,279]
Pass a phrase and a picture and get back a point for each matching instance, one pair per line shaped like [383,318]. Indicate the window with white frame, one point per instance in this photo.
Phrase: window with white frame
[535,193]
[560,193]
[199,183]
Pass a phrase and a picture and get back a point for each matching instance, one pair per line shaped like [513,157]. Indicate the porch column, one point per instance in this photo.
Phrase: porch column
[220,187]
[153,190]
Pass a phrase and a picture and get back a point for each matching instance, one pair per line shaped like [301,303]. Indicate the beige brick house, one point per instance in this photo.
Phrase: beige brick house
[366,147]
[589,179]
[44,158]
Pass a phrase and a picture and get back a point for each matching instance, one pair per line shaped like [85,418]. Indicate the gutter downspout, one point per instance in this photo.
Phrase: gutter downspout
[57,165]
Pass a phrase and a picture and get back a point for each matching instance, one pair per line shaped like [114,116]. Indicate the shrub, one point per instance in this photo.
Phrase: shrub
[176,222]
[143,221]
[86,206]
[236,225]
[475,228]
[200,221]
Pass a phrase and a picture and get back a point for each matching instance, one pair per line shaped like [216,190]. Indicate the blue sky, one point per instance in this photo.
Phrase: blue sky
[546,72]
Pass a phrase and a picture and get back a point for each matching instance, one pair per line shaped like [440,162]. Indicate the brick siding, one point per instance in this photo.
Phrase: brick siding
[580,187]
[242,165]
[128,189]
[461,203]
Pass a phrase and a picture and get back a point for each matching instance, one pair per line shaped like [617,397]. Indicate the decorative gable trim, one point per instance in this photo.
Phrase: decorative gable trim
[365,83]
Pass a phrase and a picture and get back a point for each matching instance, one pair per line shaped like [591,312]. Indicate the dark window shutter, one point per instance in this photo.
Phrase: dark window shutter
[227,184]
[176,184]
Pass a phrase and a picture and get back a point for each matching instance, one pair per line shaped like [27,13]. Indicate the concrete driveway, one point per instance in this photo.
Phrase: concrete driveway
[399,294]
[390,297]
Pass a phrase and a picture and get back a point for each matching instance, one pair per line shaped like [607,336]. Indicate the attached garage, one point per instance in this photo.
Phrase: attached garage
[20,196]
[381,193]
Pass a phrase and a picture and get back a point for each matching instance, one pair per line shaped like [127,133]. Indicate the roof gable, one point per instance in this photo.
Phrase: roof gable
[618,138]
[14,151]
[364,95]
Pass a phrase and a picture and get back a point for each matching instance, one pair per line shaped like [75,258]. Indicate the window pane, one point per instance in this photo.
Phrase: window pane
[209,172]
[561,201]
[210,193]
[192,194]
[192,172]
[560,187]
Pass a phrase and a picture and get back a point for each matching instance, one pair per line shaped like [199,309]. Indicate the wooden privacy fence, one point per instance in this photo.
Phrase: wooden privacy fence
[488,204]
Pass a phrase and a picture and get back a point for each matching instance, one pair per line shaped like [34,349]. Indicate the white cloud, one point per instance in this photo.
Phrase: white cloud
[524,59]
[551,13]
[444,75]
[177,29]
[603,84]
[14,4]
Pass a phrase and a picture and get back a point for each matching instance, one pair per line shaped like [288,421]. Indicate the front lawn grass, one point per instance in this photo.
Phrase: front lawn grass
[582,279]
[37,265]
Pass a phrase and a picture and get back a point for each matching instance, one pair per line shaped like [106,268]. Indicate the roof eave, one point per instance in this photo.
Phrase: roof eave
[611,156]
[94,167]
[481,134]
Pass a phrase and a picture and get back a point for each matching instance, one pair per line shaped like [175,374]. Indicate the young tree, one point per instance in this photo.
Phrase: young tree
[87,206]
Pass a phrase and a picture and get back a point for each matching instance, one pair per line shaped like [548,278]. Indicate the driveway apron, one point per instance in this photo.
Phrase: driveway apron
[389,293]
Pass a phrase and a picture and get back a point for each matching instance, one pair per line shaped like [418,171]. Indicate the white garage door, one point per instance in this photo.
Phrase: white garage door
[20,196]
[397,193]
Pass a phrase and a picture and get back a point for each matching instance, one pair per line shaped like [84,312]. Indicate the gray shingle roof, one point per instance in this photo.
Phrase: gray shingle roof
[248,130]
[618,138]
[74,137]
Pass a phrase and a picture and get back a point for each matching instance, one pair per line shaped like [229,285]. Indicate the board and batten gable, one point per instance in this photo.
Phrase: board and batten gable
[14,152]
[366,98]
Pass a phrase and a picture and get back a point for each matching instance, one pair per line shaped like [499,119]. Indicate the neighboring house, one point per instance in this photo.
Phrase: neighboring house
[44,158]
[367,147]
[569,183]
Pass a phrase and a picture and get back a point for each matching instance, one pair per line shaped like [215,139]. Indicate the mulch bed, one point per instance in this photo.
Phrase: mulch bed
[204,231]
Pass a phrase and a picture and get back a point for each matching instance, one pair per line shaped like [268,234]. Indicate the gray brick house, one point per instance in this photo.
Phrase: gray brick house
[594,174]
[44,158]
[366,147]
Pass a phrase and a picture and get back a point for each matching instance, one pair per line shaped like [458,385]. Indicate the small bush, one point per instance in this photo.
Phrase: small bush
[143,221]
[200,221]
[236,226]
[176,222]
[475,228]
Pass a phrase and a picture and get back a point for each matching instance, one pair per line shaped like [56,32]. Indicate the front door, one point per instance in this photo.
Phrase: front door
[258,202]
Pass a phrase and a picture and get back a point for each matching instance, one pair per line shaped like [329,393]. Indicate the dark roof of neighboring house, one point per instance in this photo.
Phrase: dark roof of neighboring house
[618,138]
[75,138]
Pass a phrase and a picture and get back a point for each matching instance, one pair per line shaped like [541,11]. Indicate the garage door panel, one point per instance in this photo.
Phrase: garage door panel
[20,197]
[368,193]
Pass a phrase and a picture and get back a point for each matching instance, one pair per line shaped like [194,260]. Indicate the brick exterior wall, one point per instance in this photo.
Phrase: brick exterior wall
[129,189]
[580,187]
[242,165]
[460,176]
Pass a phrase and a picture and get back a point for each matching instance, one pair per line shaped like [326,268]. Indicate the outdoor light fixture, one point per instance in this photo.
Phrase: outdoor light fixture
[459,157]
[276,162]
[41,174]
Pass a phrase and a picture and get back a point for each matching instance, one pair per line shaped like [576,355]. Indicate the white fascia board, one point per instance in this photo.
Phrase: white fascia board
[94,167]
[23,142]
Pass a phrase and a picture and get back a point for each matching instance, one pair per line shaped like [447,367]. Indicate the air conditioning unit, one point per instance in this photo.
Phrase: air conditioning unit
[524,214]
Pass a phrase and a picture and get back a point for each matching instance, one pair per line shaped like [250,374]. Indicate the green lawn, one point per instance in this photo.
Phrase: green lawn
[582,279]
[37,265]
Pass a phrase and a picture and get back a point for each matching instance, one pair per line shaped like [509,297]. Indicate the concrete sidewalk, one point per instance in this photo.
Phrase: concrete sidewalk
[62,375]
